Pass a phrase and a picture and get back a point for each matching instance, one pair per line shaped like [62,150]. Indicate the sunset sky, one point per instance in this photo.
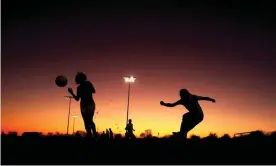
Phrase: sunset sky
[212,51]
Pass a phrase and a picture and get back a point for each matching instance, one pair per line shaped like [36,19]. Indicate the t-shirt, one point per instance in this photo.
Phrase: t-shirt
[84,91]
[192,105]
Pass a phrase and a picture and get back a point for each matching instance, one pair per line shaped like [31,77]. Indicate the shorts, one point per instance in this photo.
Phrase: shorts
[189,121]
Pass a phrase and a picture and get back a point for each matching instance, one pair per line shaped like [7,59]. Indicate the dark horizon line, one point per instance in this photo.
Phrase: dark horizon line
[114,133]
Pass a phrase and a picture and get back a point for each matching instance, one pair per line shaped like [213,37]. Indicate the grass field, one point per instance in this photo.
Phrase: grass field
[252,149]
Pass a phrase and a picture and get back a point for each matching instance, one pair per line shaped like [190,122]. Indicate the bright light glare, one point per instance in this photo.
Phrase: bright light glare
[129,79]
[75,116]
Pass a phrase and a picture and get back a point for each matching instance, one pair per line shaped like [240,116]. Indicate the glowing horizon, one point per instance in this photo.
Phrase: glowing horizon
[202,129]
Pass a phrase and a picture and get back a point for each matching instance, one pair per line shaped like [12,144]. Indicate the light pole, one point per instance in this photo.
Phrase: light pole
[70,97]
[129,80]
[74,117]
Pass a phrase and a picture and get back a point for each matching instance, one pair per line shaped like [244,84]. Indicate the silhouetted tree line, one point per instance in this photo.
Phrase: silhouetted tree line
[210,137]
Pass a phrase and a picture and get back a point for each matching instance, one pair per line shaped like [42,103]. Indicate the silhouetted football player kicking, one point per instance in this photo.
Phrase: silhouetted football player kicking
[195,114]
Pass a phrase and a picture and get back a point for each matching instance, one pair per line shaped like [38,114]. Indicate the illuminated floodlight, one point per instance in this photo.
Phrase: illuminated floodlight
[129,79]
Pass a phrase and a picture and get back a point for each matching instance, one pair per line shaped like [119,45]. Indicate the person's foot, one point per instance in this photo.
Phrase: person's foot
[88,135]
[96,137]
[176,133]
[179,135]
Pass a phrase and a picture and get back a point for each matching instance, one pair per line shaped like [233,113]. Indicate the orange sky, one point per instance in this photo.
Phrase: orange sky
[44,109]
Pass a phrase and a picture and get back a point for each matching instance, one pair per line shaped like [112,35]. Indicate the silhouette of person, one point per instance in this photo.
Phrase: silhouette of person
[85,90]
[107,132]
[103,134]
[129,130]
[195,114]
[110,133]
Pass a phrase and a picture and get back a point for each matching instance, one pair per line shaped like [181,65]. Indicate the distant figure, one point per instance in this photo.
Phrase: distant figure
[110,133]
[129,130]
[85,90]
[195,114]
[107,133]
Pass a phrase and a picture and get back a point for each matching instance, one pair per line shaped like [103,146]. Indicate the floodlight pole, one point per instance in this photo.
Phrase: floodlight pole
[129,80]
[128,96]
[74,123]
[70,97]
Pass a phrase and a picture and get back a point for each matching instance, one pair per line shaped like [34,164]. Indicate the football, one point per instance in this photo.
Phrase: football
[61,81]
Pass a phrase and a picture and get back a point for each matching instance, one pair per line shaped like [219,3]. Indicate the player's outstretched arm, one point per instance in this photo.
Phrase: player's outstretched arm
[205,98]
[170,104]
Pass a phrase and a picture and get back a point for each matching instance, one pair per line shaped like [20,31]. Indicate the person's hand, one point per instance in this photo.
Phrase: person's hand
[213,100]
[162,103]
[70,90]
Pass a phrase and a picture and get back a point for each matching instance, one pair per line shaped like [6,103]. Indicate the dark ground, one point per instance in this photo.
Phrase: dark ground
[75,150]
